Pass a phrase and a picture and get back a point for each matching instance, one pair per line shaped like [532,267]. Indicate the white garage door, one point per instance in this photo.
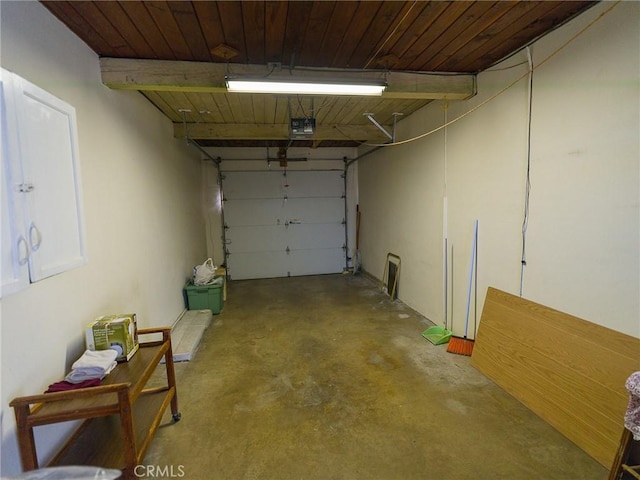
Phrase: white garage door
[283,224]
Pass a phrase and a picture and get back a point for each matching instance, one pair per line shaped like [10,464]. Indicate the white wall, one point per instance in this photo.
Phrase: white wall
[144,218]
[583,253]
[584,229]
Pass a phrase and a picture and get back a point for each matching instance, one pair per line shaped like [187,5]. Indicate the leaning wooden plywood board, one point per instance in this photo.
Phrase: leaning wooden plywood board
[569,371]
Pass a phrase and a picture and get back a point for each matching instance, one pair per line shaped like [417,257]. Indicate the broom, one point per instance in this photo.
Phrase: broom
[464,346]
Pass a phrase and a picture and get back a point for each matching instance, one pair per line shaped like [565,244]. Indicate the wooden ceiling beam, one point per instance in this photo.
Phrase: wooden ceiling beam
[167,75]
[243,131]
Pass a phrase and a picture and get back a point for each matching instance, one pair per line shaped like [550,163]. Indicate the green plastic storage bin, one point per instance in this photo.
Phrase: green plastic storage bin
[205,297]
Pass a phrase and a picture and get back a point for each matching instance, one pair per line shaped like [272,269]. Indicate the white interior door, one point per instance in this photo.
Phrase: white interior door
[283,223]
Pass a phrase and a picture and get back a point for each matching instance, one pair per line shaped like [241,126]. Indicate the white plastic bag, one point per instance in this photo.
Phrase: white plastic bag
[205,273]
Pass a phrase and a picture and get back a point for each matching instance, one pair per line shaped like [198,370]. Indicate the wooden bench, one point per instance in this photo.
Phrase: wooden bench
[569,371]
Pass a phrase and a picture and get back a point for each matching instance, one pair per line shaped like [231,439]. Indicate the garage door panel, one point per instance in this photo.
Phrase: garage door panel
[274,212]
[315,210]
[254,185]
[243,266]
[253,212]
[315,184]
[322,235]
[278,238]
[256,238]
[314,262]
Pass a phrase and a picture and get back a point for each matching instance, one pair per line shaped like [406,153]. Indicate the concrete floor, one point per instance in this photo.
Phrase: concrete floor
[325,378]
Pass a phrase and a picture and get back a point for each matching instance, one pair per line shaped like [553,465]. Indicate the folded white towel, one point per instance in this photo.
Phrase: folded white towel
[95,359]
[80,375]
[92,364]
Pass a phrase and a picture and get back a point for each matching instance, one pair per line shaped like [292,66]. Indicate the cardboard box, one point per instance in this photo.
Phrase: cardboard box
[118,332]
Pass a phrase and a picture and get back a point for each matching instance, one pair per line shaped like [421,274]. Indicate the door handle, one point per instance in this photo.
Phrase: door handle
[22,242]
[34,230]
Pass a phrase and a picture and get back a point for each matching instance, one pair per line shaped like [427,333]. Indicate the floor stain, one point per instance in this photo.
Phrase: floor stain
[323,378]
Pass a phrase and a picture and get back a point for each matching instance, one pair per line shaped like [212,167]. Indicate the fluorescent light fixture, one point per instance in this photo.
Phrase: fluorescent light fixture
[304,87]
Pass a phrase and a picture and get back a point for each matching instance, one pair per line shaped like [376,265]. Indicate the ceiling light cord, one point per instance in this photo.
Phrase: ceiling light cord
[527,188]
[501,91]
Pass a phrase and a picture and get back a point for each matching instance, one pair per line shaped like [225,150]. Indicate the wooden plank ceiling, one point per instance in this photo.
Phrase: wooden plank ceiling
[437,45]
